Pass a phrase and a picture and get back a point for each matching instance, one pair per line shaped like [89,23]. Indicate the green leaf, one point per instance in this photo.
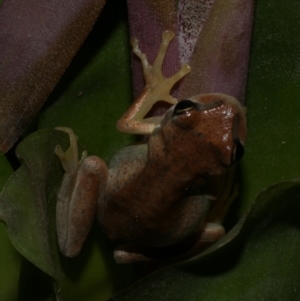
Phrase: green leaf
[10,259]
[273,106]
[28,201]
[10,262]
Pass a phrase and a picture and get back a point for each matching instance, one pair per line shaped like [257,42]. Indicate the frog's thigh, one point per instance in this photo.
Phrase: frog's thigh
[77,203]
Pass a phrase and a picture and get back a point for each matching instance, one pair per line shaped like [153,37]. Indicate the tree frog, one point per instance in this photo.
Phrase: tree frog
[166,197]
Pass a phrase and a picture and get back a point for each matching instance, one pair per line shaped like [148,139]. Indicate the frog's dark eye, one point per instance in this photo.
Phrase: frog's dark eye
[238,152]
[184,106]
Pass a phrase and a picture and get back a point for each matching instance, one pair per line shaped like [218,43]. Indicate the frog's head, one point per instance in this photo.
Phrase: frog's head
[209,130]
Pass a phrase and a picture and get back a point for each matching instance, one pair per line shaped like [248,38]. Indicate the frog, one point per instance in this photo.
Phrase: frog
[166,197]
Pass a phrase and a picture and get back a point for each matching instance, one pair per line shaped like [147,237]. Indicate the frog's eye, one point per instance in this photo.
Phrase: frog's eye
[184,106]
[238,152]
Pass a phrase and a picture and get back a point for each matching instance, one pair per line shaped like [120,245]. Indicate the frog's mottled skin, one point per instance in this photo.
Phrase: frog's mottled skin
[164,198]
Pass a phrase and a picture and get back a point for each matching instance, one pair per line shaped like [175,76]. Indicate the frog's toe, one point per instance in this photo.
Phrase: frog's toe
[168,35]
[69,158]
[59,152]
[70,132]
[83,156]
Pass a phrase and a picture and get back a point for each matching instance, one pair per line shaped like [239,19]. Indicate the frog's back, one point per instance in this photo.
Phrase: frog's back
[125,165]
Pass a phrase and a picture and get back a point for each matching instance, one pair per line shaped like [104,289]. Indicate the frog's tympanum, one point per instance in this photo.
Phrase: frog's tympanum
[165,198]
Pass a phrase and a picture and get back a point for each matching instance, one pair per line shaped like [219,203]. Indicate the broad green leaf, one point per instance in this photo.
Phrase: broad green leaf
[28,201]
[273,101]
[10,259]
[10,262]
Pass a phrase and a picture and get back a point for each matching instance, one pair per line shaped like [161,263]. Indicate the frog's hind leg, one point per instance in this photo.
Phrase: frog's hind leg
[78,196]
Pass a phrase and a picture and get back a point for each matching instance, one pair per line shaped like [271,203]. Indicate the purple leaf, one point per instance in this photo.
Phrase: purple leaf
[147,20]
[212,36]
[38,40]
[221,55]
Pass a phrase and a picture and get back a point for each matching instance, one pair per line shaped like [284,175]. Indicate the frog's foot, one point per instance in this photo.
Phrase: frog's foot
[157,88]
[153,74]
[69,158]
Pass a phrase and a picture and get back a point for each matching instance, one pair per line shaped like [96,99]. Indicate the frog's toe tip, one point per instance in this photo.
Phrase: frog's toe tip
[59,128]
[65,129]
[134,42]
[186,68]
[58,151]
[168,35]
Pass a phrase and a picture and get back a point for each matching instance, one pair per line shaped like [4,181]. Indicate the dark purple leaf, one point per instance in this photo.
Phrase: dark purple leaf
[38,40]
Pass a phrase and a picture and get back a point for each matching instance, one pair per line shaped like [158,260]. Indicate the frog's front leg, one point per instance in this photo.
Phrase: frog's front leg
[78,196]
[157,88]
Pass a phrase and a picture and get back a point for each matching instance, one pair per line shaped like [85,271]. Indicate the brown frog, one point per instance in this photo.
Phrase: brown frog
[164,198]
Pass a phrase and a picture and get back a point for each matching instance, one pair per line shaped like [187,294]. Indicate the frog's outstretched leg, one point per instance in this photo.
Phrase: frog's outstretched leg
[157,88]
[78,195]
